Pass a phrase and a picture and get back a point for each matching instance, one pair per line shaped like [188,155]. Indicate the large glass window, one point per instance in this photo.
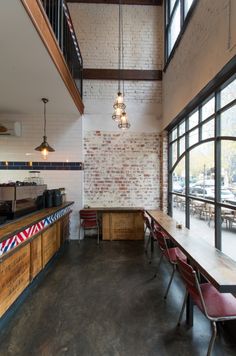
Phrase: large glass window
[176,14]
[203,169]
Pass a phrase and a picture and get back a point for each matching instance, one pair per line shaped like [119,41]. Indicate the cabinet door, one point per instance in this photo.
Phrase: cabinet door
[49,243]
[36,263]
[15,276]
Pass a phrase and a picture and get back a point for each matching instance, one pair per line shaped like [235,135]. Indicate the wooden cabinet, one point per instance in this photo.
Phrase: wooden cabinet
[15,277]
[121,225]
[19,266]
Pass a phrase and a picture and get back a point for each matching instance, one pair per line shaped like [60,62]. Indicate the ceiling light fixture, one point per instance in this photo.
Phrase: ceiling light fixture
[44,148]
[119,114]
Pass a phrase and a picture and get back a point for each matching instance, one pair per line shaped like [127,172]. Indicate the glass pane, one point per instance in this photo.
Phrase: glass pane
[172,3]
[228,93]
[181,145]
[182,128]
[187,5]
[178,209]
[193,137]
[193,120]
[228,230]
[178,177]
[174,152]
[174,29]
[201,162]
[208,109]
[202,217]
[174,134]
[228,122]
[228,172]
[208,130]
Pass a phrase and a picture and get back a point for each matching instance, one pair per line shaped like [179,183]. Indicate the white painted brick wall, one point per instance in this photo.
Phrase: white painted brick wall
[96,26]
[138,92]
[208,43]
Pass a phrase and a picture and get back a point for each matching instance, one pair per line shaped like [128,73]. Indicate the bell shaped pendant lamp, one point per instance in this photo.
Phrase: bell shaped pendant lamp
[44,148]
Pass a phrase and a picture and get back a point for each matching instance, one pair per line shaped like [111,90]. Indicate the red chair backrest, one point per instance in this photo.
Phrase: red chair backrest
[89,215]
[161,239]
[189,277]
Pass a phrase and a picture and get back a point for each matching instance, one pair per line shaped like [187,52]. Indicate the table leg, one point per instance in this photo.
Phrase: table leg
[189,312]
[152,240]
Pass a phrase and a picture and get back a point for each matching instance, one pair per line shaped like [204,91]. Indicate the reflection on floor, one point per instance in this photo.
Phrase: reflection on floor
[102,301]
[207,231]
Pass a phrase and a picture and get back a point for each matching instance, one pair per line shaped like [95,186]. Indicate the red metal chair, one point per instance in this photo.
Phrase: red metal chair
[214,305]
[170,253]
[89,220]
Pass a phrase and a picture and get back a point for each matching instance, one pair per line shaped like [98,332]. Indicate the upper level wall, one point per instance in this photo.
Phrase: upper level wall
[96,26]
[208,43]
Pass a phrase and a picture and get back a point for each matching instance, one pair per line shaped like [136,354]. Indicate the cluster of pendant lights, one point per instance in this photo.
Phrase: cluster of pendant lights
[119,114]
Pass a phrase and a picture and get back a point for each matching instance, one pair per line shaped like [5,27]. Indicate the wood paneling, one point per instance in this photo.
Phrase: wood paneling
[122,226]
[14,277]
[49,244]
[36,263]
[106,226]
[42,25]
[126,74]
[124,2]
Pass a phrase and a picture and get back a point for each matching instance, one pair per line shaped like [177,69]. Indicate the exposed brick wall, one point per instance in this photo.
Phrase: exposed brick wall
[121,169]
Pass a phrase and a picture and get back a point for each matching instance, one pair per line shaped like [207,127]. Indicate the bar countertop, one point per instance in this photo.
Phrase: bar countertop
[114,209]
[13,227]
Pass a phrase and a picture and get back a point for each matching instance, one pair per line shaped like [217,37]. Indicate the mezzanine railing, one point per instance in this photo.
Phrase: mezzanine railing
[60,20]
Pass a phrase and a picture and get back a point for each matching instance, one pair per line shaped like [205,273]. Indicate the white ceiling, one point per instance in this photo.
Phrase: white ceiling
[27,72]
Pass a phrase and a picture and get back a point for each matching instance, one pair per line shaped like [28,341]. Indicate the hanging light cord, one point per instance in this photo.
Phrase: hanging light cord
[119,47]
[122,49]
[44,118]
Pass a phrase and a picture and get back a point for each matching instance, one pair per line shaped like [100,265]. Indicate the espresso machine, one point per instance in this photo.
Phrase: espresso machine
[19,198]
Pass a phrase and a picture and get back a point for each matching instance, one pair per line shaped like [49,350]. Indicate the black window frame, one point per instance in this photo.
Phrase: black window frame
[183,24]
[217,140]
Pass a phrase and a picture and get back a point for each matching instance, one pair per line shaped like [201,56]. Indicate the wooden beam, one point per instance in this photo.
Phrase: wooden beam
[40,21]
[126,74]
[124,2]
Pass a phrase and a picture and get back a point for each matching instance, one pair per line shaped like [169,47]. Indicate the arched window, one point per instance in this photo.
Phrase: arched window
[202,174]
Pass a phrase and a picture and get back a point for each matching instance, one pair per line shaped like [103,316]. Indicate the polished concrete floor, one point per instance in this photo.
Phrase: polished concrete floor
[102,301]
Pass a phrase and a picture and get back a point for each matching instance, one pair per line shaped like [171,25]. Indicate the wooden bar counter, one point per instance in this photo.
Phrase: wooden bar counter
[26,246]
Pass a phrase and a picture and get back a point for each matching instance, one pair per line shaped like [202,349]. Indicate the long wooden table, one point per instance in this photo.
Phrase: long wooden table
[213,264]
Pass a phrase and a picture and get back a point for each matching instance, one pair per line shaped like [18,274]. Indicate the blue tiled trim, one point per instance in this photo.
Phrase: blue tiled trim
[51,166]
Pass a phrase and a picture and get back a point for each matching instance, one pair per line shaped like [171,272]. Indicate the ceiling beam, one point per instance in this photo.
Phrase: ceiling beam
[125,74]
[124,2]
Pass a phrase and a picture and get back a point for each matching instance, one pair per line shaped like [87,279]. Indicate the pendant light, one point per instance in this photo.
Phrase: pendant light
[119,114]
[44,148]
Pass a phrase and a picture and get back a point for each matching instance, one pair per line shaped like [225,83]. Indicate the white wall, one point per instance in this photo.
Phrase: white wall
[208,43]
[66,137]
[96,26]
